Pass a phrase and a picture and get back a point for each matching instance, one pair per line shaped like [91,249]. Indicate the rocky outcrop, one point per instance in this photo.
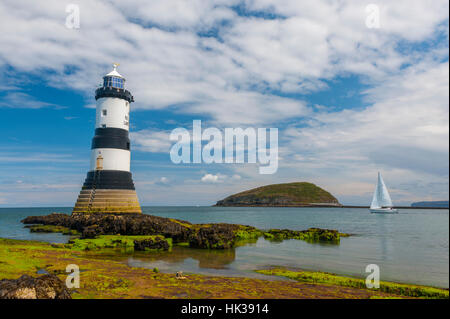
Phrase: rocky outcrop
[156,243]
[122,242]
[214,236]
[51,229]
[208,236]
[27,287]
[56,219]
[92,225]
[311,235]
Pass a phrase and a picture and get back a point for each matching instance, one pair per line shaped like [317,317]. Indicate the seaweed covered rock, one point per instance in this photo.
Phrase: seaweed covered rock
[51,229]
[214,236]
[221,236]
[27,287]
[128,243]
[311,234]
[128,224]
[56,219]
[208,236]
[156,243]
[92,225]
[89,232]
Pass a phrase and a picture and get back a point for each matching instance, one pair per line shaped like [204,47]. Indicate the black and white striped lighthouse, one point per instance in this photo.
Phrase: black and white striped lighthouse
[109,186]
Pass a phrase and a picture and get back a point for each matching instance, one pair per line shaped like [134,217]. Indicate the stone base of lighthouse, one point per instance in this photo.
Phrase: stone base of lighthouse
[108,192]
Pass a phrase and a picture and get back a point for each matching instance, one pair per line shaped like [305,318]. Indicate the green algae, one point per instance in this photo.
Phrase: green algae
[247,233]
[126,243]
[109,284]
[332,279]
[108,277]
[182,244]
[20,256]
[181,223]
[52,229]
[310,235]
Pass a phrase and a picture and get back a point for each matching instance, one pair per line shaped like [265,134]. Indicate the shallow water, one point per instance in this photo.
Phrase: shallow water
[410,247]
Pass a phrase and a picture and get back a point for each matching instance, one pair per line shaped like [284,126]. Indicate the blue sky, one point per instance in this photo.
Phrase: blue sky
[348,100]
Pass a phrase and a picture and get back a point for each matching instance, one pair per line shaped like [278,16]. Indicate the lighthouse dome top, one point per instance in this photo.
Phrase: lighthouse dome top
[114,71]
[113,86]
[114,79]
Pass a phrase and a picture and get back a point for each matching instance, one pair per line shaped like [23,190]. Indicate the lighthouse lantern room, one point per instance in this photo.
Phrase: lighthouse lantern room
[109,186]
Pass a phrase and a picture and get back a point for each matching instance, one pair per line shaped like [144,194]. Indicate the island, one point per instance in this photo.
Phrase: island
[298,194]
[431,204]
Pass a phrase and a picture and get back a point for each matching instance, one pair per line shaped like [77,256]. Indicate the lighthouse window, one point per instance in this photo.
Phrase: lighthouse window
[104,112]
[113,82]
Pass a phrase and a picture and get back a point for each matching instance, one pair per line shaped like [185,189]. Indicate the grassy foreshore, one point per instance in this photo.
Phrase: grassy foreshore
[405,290]
[108,278]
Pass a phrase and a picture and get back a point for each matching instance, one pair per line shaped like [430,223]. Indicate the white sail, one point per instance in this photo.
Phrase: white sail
[381,196]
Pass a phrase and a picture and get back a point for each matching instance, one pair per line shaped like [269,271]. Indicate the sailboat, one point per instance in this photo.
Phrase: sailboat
[381,202]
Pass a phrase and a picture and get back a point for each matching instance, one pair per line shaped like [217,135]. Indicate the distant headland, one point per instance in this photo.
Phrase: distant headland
[299,194]
[434,204]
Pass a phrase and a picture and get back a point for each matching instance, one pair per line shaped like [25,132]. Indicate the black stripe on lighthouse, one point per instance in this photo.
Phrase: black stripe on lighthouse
[108,179]
[113,92]
[111,137]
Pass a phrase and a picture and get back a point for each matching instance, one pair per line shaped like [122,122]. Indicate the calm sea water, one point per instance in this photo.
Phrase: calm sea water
[410,247]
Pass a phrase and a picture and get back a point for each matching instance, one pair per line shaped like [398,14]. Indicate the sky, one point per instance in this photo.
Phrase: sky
[348,100]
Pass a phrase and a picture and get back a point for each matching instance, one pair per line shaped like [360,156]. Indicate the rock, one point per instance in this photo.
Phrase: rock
[179,275]
[51,229]
[27,287]
[91,225]
[58,219]
[89,232]
[214,236]
[311,234]
[207,236]
[149,244]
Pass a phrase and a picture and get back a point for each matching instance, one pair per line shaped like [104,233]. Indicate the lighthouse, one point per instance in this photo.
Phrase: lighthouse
[109,186]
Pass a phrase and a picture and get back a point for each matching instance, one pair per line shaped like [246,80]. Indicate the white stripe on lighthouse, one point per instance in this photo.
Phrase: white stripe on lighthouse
[112,159]
[112,112]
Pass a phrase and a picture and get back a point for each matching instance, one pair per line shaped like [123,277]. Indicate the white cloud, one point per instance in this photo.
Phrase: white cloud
[20,100]
[198,14]
[167,63]
[18,157]
[409,109]
[211,178]
[164,180]
[151,141]
[236,177]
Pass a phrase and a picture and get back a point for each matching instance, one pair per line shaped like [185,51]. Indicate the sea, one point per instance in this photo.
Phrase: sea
[409,247]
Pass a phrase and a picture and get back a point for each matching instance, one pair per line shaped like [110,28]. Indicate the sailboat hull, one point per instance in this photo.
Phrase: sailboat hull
[383,210]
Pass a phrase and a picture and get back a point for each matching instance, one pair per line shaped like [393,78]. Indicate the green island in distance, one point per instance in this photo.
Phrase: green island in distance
[298,194]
